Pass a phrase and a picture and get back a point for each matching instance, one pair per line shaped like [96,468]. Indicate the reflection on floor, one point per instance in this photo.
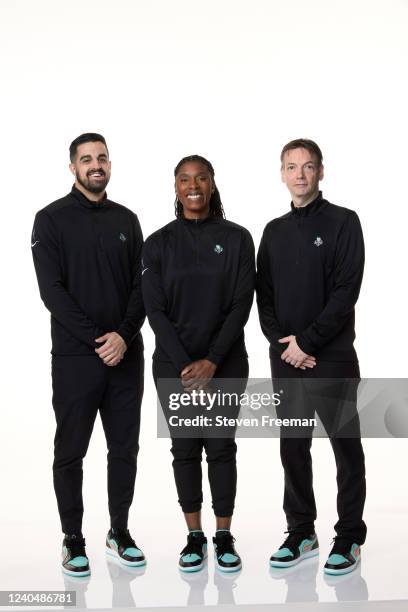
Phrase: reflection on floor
[161,586]
[259,525]
[300,582]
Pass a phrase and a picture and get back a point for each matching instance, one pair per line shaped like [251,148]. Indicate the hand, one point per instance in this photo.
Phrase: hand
[197,374]
[293,354]
[113,349]
[309,362]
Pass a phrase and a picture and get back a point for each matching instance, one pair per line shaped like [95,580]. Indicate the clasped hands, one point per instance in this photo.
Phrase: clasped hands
[197,374]
[113,348]
[294,356]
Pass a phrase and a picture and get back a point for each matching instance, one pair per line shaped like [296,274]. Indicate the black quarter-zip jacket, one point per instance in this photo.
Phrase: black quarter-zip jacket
[87,258]
[198,285]
[310,268]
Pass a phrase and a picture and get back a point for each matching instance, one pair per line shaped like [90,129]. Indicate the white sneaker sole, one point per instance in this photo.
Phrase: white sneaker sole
[114,553]
[307,555]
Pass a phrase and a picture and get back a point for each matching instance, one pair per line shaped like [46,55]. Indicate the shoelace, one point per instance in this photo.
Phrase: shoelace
[76,547]
[293,540]
[194,546]
[124,538]
[225,544]
[341,546]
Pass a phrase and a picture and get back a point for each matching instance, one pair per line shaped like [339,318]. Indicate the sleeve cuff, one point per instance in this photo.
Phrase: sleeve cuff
[277,348]
[275,345]
[126,336]
[98,333]
[182,364]
[215,359]
[304,345]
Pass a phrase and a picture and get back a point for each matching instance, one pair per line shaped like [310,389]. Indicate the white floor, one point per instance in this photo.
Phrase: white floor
[382,575]
[31,537]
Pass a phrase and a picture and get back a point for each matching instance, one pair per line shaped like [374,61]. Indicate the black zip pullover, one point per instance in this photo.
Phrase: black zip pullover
[310,268]
[87,260]
[198,285]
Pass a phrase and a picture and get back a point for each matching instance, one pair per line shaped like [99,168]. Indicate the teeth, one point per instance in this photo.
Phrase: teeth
[195,196]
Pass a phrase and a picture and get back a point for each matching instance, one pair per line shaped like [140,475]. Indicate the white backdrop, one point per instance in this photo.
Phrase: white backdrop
[232,80]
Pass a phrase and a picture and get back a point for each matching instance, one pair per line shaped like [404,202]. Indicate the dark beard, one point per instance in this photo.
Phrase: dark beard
[86,184]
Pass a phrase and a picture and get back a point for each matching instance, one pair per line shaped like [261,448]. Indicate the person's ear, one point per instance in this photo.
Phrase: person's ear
[321,172]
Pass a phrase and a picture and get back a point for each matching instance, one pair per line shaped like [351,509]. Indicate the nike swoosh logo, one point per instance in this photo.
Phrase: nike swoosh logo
[33,244]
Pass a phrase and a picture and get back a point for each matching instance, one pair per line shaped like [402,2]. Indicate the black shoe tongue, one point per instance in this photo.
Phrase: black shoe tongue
[197,534]
[341,547]
[120,532]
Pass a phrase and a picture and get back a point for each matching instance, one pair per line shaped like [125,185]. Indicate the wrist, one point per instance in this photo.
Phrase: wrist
[122,339]
[211,363]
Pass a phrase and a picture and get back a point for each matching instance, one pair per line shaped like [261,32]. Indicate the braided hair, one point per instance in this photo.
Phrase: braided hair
[216,208]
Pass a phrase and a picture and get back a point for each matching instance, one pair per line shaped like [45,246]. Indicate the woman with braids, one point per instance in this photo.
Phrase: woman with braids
[198,282]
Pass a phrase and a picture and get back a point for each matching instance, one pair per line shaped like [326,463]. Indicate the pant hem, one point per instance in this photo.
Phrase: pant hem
[189,510]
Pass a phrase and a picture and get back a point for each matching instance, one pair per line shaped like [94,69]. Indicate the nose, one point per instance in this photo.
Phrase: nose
[300,172]
[193,182]
[97,164]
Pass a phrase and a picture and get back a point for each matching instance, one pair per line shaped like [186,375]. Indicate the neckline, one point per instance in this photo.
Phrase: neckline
[84,201]
[310,209]
[198,222]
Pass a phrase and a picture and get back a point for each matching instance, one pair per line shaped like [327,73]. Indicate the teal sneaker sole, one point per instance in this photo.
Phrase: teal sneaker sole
[80,574]
[307,555]
[113,553]
[341,572]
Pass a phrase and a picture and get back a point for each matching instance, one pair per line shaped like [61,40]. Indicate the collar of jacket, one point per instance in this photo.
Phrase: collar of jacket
[83,200]
[310,209]
[199,222]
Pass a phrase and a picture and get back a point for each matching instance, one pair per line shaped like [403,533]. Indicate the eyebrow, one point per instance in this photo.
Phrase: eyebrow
[305,164]
[185,174]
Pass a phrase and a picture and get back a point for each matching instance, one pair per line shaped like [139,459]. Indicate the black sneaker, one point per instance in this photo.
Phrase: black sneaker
[296,547]
[226,557]
[344,557]
[121,545]
[193,555]
[74,559]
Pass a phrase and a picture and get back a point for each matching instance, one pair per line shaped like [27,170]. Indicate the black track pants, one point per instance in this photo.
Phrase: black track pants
[220,452]
[82,385]
[299,502]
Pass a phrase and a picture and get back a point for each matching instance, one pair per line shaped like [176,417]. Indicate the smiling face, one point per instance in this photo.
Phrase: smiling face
[301,173]
[194,186]
[91,168]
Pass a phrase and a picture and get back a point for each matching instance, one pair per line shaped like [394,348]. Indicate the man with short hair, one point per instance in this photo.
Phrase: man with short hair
[87,252]
[310,268]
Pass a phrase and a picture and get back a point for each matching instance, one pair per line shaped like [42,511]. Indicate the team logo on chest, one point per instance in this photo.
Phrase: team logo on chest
[122,237]
[218,249]
[318,242]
